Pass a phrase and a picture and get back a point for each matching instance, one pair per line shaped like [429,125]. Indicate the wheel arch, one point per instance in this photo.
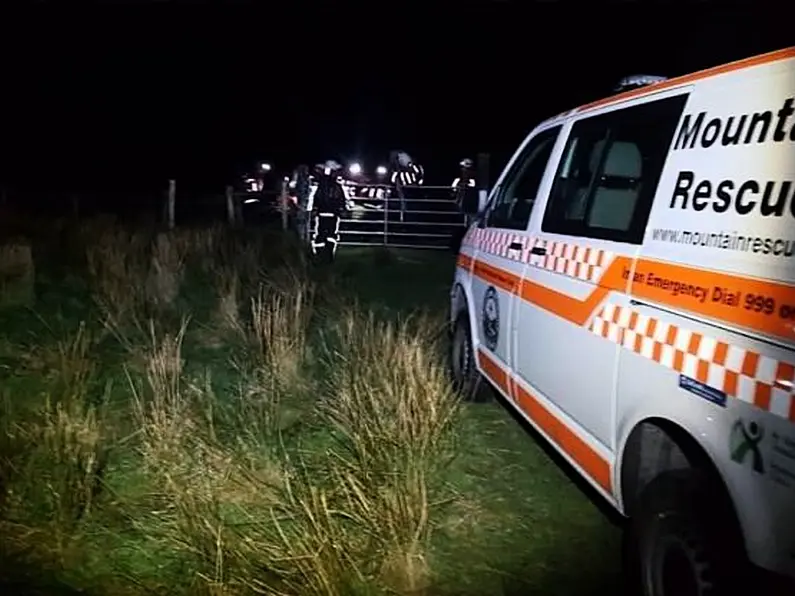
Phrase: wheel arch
[657,445]
[461,302]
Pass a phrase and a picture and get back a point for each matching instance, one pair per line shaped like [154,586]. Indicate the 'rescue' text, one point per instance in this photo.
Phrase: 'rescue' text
[767,198]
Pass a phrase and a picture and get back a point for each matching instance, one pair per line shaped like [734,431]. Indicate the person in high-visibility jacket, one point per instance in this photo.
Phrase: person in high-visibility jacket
[466,179]
[406,171]
[327,202]
[464,182]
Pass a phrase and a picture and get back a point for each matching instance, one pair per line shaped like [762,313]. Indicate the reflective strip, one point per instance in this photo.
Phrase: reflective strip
[470,182]
[764,382]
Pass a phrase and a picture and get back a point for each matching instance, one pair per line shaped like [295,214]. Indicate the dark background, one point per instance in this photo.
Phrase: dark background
[125,95]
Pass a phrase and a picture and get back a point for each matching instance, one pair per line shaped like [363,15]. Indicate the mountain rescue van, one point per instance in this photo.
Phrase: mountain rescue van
[629,288]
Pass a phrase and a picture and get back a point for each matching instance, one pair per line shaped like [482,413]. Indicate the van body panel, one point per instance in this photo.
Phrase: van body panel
[656,281]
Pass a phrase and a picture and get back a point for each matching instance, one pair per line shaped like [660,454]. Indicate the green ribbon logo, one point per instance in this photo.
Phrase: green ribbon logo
[745,440]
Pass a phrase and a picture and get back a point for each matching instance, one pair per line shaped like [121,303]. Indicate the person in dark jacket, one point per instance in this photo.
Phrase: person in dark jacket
[327,204]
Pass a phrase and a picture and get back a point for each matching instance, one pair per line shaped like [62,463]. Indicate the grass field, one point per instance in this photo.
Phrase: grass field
[202,412]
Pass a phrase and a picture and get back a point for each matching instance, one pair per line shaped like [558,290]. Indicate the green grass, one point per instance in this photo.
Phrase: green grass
[207,414]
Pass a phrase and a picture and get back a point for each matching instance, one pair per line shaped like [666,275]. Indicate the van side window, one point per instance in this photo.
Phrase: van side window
[514,200]
[609,172]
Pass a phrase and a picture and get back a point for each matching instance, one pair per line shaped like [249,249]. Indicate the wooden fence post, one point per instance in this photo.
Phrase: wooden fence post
[172,197]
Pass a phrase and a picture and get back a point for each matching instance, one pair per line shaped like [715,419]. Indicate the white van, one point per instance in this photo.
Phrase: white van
[630,289]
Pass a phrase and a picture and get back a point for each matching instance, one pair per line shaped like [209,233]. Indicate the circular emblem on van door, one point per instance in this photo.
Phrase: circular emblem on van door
[491,318]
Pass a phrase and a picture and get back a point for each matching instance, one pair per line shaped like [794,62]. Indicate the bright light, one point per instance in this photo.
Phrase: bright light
[355,169]
[381,170]
[640,80]
[265,167]
[247,201]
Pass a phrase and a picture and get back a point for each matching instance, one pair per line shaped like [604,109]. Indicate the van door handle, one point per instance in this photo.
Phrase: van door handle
[515,246]
[538,250]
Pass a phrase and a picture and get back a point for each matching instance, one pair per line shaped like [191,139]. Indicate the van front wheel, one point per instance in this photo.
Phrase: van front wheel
[682,540]
[466,378]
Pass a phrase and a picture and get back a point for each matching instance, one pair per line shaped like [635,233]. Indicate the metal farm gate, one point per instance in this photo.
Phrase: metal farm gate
[399,216]
[424,217]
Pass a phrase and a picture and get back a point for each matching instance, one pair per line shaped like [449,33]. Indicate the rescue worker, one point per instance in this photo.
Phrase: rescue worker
[464,182]
[406,171]
[463,189]
[300,185]
[466,179]
[327,204]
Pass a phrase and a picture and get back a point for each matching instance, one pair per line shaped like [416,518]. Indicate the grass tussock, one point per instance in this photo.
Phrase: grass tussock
[391,403]
[202,483]
[118,270]
[167,269]
[227,317]
[280,318]
[54,456]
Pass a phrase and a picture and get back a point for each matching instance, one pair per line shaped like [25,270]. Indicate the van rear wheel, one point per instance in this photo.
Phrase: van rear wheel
[467,380]
[682,540]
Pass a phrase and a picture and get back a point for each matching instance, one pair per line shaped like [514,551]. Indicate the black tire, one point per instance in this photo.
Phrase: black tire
[466,378]
[684,539]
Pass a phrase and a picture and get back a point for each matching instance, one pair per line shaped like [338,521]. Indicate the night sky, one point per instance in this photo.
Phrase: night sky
[135,93]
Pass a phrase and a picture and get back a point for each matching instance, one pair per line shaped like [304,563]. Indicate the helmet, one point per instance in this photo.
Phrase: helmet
[403,158]
[466,163]
[327,167]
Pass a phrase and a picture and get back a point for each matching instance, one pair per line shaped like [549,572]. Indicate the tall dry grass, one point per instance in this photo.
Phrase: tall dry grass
[280,318]
[54,456]
[199,479]
[118,270]
[134,274]
[348,507]
[391,402]
[167,270]
[354,519]
[227,316]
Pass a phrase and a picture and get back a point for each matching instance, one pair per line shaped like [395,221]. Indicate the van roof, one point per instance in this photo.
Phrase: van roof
[760,59]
